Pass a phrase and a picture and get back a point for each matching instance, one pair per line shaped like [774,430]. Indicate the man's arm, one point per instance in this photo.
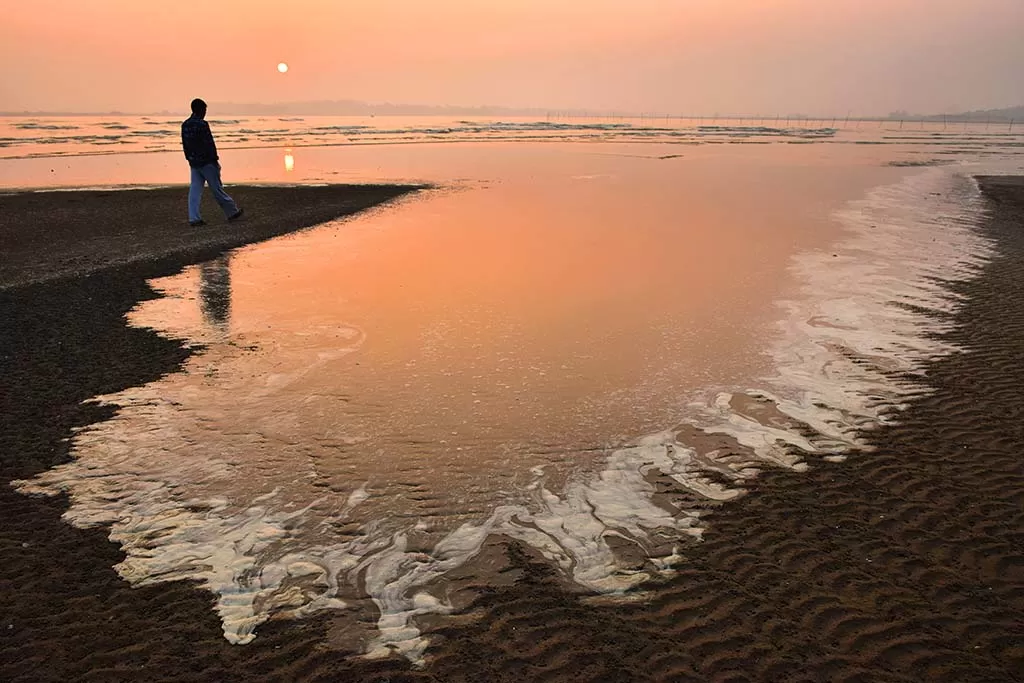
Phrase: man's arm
[210,147]
[186,141]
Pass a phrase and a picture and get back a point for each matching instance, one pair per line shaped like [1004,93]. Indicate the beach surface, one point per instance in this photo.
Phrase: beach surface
[53,235]
[904,563]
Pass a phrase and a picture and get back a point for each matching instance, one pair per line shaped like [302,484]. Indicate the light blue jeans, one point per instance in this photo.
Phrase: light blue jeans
[200,176]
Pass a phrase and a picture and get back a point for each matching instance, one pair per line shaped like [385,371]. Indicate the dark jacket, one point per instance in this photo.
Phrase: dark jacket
[197,141]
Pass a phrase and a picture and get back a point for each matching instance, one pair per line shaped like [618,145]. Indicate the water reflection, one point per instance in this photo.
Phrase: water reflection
[289,161]
[394,397]
[215,292]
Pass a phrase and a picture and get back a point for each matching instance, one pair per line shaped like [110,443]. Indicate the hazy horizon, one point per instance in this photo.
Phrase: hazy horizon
[298,108]
[864,57]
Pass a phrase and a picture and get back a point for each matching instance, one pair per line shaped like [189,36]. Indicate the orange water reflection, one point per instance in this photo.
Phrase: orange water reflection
[379,395]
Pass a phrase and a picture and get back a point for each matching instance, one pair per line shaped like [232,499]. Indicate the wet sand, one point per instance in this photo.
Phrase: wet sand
[898,565]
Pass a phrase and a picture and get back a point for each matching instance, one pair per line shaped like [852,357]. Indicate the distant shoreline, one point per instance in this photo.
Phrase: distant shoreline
[360,109]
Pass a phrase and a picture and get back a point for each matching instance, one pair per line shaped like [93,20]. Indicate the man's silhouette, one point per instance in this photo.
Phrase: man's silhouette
[201,152]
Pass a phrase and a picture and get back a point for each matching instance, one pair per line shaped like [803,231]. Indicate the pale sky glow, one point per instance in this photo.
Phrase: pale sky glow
[680,56]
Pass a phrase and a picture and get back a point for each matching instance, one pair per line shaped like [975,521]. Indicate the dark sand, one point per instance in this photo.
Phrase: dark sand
[905,564]
[45,235]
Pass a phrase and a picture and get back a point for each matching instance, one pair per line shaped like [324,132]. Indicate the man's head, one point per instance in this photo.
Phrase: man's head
[198,108]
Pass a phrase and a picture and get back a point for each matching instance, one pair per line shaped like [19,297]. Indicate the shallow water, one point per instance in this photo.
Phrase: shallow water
[72,151]
[34,136]
[577,346]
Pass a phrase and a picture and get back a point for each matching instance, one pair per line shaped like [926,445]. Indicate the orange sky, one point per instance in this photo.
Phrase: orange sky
[680,56]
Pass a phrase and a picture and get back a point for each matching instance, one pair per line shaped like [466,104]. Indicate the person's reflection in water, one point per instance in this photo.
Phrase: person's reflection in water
[215,292]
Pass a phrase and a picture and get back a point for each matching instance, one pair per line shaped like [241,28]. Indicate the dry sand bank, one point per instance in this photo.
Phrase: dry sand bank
[904,564]
[45,235]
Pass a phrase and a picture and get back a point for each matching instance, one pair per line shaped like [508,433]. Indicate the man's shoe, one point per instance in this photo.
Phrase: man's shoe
[197,224]
[236,215]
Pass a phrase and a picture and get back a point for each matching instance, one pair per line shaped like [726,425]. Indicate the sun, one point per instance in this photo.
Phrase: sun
[282,67]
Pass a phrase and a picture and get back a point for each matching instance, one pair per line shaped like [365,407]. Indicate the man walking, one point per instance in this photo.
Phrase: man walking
[201,152]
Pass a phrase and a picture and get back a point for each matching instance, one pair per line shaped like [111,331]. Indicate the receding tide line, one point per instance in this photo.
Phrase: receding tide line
[846,355]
